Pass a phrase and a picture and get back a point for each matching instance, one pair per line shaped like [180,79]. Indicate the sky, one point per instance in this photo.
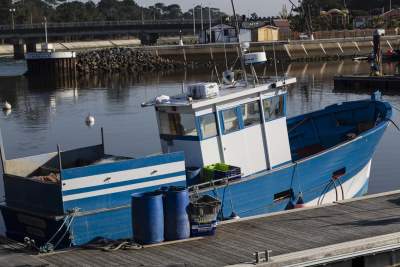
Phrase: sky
[261,7]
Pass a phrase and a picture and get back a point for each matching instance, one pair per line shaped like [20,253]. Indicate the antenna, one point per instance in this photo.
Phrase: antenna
[276,69]
[226,58]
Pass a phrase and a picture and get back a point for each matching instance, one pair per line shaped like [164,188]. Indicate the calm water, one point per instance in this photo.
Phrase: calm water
[45,115]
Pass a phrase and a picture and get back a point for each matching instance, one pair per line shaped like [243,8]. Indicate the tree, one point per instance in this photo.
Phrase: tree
[254,16]
[4,9]
[28,11]
[31,11]
[173,11]
[76,11]
[283,14]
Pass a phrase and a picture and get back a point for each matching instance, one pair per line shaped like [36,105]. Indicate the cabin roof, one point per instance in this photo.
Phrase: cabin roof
[282,23]
[221,26]
[228,93]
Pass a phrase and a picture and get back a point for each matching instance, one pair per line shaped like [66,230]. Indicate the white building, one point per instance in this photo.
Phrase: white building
[220,33]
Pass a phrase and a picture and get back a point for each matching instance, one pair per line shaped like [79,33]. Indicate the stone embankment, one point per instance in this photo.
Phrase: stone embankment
[123,59]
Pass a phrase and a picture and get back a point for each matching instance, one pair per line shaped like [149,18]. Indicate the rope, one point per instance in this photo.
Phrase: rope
[325,191]
[109,245]
[48,246]
[341,187]
[269,206]
[394,124]
[59,229]
[65,232]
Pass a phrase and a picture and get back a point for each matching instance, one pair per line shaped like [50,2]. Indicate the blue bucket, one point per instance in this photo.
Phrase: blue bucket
[148,218]
[176,219]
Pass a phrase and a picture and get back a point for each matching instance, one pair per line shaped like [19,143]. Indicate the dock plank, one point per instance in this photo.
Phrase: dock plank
[235,242]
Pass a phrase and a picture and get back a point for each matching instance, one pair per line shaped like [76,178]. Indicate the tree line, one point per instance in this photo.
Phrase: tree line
[33,11]
[308,12]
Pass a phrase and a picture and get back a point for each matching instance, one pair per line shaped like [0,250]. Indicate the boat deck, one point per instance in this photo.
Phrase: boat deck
[370,222]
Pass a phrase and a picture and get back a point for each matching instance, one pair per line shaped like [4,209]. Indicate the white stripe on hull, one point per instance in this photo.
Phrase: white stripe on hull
[122,176]
[124,188]
[351,187]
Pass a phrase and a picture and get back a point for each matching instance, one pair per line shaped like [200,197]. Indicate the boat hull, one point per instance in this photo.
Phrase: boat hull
[312,178]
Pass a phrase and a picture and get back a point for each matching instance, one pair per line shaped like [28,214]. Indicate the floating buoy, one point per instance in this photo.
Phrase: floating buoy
[234,216]
[90,120]
[300,203]
[7,106]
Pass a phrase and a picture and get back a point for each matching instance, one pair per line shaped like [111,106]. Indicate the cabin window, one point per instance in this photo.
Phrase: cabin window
[251,113]
[230,120]
[177,124]
[274,107]
[208,126]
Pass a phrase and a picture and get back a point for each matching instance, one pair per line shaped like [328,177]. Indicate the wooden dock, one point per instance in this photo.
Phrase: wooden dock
[360,231]
[386,83]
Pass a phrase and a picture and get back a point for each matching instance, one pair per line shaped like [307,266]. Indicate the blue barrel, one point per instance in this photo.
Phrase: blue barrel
[176,219]
[148,218]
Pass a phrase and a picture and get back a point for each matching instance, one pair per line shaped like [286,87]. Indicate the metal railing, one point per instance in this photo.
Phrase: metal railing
[103,23]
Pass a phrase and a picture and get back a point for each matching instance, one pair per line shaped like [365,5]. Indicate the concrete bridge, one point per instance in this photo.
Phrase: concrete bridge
[147,30]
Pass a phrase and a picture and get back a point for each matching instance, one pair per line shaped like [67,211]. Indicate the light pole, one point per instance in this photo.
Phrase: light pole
[12,11]
[194,21]
[201,18]
[45,28]
[209,20]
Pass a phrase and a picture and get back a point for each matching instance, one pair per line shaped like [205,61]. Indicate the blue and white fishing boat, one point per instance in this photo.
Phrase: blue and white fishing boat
[68,198]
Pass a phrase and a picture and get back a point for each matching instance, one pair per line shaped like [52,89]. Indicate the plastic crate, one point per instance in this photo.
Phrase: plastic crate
[203,229]
[220,171]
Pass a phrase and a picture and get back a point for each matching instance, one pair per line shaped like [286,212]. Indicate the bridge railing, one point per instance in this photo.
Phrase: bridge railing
[101,23]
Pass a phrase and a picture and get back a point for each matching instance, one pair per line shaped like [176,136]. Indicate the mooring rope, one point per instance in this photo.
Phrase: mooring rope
[48,246]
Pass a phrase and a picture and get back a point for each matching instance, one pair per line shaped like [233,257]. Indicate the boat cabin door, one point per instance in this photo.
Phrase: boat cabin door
[242,137]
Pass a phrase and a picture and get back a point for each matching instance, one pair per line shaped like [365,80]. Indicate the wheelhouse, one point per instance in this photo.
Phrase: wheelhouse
[242,126]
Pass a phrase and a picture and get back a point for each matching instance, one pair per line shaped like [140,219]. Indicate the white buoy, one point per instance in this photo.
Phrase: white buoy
[7,106]
[90,120]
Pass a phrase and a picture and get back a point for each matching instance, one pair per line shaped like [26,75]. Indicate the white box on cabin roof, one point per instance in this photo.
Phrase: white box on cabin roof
[203,90]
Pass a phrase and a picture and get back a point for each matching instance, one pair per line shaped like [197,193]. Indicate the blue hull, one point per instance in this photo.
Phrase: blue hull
[255,195]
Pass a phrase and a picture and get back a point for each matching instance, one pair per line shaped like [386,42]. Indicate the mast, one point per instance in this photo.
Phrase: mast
[237,36]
